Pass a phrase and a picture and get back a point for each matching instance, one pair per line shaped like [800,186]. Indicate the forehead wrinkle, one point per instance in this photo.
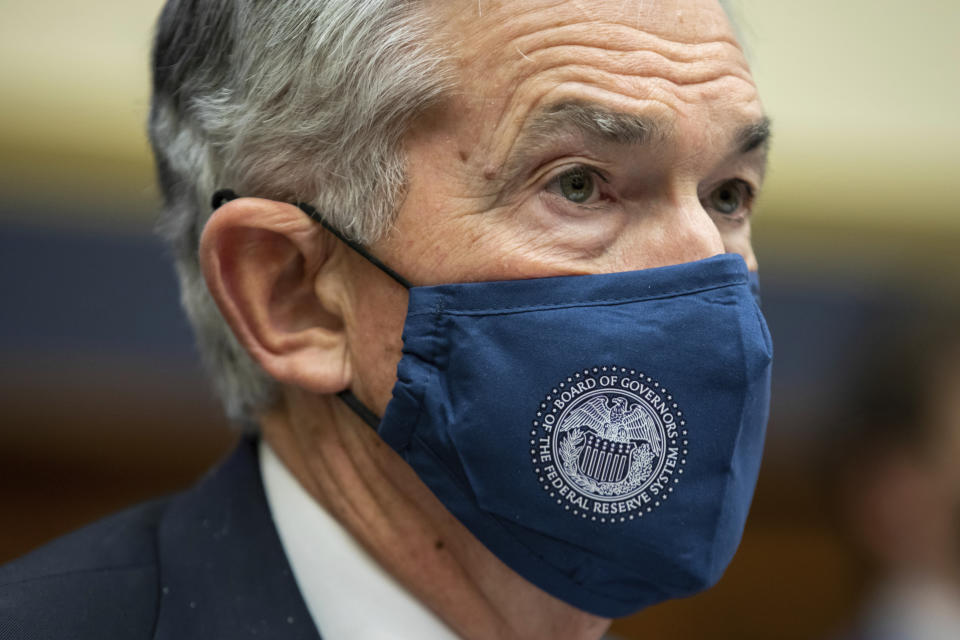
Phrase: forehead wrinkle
[626,52]
[638,63]
[622,39]
[525,34]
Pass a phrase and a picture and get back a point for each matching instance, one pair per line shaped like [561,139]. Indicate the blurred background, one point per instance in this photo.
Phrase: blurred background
[104,404]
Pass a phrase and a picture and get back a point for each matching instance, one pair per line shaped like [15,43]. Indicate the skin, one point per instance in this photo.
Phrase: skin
[320,319]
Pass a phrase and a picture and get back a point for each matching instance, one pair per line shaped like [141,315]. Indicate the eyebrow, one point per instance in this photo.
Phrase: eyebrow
[573,118]
[601,124]
[593,121]
[754,135]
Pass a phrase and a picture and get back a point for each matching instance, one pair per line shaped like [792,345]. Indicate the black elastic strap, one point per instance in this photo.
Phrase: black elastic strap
[223,196]
[359,408]
[372,259]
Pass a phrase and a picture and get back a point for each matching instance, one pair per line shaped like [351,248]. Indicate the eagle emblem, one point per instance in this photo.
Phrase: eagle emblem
[609,443]
[616,420]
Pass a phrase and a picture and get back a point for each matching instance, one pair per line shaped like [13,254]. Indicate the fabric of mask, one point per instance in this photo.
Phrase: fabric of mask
[755,286]
[600,434]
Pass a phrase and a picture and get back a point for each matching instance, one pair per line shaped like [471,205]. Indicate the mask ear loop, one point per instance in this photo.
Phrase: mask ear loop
[316,217]
[223,196]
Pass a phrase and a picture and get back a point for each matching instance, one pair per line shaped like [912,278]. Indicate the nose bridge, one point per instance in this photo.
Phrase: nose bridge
[686,231]
[668,229]
[701,230]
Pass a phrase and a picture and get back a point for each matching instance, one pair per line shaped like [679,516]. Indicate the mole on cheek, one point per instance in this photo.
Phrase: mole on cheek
[464,155]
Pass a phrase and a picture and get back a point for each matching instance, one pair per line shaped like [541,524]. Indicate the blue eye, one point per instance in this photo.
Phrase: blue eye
[577,185]
[730,197]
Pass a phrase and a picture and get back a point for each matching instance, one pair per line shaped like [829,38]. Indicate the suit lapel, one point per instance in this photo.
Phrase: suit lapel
[223,571]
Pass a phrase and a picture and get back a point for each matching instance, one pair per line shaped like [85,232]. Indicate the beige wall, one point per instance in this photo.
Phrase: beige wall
[73,100]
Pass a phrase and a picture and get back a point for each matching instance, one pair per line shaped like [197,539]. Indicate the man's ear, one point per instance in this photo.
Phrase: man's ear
[271,272]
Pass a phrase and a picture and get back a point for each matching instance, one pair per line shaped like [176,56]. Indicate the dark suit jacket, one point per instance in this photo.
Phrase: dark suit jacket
[204,564]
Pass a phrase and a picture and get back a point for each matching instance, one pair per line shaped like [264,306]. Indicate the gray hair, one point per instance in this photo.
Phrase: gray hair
[293,100]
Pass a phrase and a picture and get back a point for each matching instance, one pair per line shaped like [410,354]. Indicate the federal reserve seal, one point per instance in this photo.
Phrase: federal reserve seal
[609,444]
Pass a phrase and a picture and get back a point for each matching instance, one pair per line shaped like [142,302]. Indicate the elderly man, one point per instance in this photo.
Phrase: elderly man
[476,278]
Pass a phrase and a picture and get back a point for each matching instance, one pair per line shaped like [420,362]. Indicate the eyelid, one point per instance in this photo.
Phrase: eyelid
[751,189]
[561,166]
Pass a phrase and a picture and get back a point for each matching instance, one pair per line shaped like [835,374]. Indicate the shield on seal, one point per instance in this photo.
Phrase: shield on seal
[615,430]
[605,460]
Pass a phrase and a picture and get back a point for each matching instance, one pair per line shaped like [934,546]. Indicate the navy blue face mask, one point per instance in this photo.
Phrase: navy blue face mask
[600,434]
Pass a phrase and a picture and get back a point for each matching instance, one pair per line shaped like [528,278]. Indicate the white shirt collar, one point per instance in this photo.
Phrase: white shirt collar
[349,595]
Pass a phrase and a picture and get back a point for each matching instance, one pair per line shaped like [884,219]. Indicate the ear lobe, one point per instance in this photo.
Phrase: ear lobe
[268,267]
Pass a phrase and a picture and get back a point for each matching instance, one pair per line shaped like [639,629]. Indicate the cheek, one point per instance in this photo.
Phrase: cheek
[378,310]
[585,231]
[535,242]
[536,238]
[736,239]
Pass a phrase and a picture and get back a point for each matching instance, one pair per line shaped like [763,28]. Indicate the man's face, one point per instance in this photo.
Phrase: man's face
[586,136]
